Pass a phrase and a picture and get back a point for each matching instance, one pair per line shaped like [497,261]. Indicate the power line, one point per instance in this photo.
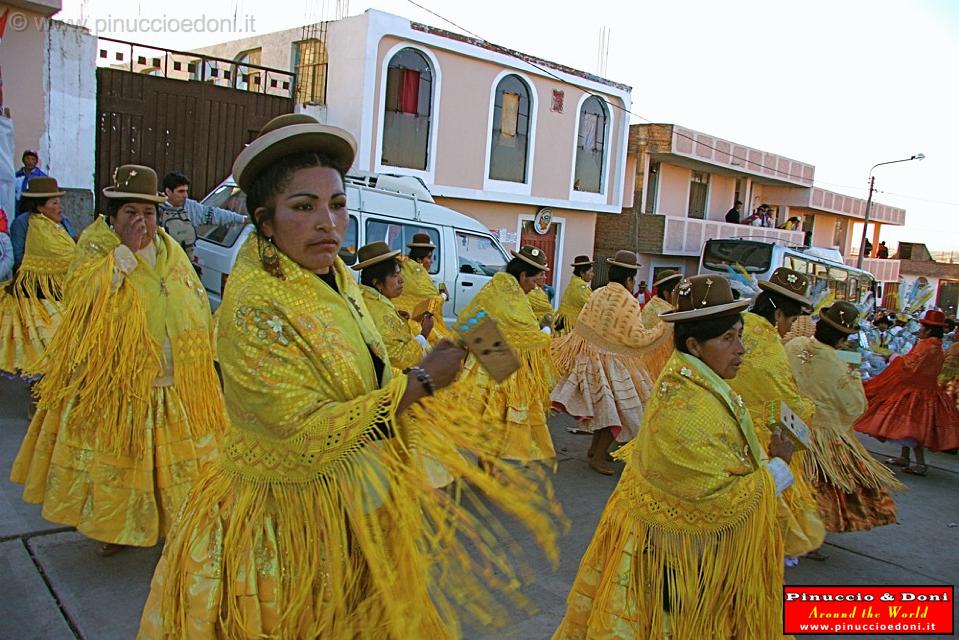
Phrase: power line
[903,195]
[588,92]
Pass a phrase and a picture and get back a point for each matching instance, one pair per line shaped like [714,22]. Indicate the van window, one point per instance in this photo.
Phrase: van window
[479,254]
[227,196]
[348,248]
[398,235]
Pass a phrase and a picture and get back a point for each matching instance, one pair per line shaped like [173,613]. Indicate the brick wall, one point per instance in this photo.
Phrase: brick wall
[631,229]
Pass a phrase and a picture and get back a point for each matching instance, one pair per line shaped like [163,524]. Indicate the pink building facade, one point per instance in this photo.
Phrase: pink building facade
[684,182]
[492,132]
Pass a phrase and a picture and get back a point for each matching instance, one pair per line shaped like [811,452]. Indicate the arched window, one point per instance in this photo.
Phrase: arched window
[409,99]
[591,145]
[245,78]
[509,147]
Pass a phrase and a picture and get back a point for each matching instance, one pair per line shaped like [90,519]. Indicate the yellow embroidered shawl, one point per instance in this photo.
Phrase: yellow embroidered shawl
[950,366]
[46,258]
[516,409]
[539,303]
[767,377]
[573,300]
[839,457]
[418,286]
[693,514]
[611,321]
[402,347]
[108,352]
[364,547]
[658,356]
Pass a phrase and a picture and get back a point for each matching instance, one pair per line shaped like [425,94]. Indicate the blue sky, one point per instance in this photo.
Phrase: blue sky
[842,85]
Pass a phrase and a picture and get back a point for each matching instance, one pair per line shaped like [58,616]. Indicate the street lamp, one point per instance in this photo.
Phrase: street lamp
[865,222]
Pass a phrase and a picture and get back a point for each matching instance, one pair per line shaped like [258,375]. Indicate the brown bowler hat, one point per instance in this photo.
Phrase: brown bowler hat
[134,182]
[702,298]
[841,315]
[288,134]
[532,256]
[625,259]
[582,261]
[790,284]
[667,276]
[42,187]
[374,253]
[421,241]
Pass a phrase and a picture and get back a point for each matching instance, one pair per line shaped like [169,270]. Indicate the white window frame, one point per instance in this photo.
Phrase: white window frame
[587,196]
[506,186]
[429,175]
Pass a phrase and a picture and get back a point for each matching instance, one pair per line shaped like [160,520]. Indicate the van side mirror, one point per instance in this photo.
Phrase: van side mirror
[467,268]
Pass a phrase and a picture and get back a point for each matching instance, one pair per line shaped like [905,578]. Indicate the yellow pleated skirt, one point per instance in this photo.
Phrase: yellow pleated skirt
[115,499]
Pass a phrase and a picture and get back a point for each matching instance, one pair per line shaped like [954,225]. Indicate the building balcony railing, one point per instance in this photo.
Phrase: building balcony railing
[883,270]
[682,236]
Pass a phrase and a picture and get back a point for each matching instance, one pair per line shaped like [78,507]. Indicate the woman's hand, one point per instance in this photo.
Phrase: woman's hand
[443,363]
[780,446]
[427,324]
[133,234]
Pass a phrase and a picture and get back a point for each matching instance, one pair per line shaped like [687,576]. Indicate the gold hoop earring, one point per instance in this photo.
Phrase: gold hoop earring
[269,257]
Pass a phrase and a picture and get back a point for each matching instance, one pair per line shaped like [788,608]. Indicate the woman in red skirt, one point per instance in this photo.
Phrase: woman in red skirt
[906,403]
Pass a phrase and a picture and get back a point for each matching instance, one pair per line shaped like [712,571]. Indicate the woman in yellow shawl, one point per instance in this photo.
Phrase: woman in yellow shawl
[949,376]
[660,303]
[382,282]
[419,289]
[514,411]
[30,303]
[687,546]
[540,304]
[766,379]
[852,487]
[313,523]
[604,382]
[130,405]
[576,294]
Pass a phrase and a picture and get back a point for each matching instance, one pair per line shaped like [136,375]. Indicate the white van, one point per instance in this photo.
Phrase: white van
[381,207]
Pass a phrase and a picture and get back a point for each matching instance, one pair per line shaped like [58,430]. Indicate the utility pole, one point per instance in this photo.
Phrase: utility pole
[865,223]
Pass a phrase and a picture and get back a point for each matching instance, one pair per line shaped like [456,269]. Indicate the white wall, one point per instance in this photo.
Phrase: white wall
[349,81]
[69,140]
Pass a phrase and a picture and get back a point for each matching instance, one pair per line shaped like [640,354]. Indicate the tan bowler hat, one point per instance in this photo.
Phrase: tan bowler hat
[42,187]
[791,284]
[841,315]
[134,182]
[667,276]
[532,256]
[421,241]
[625,259]
[374,253]
[288,134]
[702,298]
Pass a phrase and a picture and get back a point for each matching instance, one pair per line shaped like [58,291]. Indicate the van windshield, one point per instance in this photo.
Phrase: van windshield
[754,257]
[479,255]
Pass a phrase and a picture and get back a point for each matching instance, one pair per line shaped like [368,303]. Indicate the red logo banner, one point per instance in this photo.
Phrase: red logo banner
[860,610]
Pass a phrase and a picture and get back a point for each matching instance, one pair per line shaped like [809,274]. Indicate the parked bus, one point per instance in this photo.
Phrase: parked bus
[744,262]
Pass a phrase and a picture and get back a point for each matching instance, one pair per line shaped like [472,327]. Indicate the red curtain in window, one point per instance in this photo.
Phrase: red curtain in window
[410,92]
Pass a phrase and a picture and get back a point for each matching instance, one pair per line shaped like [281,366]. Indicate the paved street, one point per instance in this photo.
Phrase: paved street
[53,585]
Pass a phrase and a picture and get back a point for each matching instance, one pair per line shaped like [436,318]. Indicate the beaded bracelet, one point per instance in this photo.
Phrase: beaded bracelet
[424,379]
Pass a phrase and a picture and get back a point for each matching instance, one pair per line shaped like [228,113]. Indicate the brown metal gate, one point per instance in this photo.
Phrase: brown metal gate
[175,125]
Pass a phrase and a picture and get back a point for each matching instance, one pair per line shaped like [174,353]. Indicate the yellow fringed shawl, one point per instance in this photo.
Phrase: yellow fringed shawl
[950,366]
[573,300]
[30,311]
[612,322]
[838,456]
[312,527]
[542,309]
[109,351]
[515,410]
[402,347]
[691,523]
[418,286]
[767,377]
